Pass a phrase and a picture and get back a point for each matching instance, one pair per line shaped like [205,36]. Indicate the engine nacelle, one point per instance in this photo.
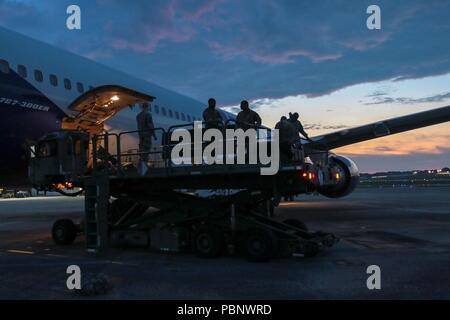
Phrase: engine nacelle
[348,177]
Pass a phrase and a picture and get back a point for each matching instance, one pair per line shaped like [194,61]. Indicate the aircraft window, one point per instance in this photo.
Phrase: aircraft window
[177,115]
[67,84]
[38,76]
[4,66]
[80,87]
[22,71]
[53,80]
[189,118]
[163,111]
[156,109]
[183,117]
[170,113]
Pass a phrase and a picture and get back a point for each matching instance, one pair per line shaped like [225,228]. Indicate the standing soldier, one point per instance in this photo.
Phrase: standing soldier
[293,119]
[247,118]
[146,130]
[287,134]
[211,116]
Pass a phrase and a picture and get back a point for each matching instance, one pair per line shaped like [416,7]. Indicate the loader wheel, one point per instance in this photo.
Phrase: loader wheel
[208,242]
[297,224]
[260,245]
[64,232]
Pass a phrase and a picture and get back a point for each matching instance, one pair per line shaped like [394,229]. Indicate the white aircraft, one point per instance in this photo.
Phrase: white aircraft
[37,84]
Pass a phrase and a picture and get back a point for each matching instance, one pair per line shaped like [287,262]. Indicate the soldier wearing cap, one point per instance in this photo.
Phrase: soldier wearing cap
[293,119]
[212,116]
[247,118]
[286,132]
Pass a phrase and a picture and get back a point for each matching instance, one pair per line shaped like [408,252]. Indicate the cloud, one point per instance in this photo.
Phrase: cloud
[248,49]
[286,56]
[148,25]
[197,9]
[318,126]
[256,105]
[378,93]
[426,141]
[233,109]
[285,50]
[382,98]
[23,11]
[262,51]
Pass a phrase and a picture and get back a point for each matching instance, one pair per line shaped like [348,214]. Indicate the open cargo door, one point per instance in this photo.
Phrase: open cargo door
[94,107]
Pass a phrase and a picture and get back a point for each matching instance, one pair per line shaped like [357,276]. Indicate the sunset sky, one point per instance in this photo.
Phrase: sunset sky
[314,57]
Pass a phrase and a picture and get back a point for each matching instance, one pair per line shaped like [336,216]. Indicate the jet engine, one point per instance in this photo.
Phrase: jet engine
[345,174]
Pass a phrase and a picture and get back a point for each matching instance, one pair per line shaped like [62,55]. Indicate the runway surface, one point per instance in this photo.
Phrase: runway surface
[406,232]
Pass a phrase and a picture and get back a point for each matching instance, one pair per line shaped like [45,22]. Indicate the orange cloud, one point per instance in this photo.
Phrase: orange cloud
[432,140]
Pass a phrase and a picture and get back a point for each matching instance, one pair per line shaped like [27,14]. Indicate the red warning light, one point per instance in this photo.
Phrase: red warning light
[308,175]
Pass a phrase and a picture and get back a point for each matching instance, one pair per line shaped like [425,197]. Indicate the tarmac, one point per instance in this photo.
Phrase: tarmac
[403,231]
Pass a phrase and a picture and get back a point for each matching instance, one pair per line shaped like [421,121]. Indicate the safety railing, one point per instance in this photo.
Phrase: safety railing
[263,135]
[110,154]
[120,152]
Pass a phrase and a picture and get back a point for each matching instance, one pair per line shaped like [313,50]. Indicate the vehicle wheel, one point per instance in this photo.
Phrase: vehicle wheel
[208,242]
[297,224]
[260,245]
[64,232]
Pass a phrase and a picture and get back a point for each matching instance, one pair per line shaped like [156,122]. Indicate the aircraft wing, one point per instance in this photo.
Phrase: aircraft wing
[379,129]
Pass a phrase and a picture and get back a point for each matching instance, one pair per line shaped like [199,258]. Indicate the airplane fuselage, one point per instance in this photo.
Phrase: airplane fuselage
[37,84]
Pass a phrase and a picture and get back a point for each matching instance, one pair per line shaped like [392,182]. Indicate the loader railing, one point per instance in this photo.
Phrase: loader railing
[120,152]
